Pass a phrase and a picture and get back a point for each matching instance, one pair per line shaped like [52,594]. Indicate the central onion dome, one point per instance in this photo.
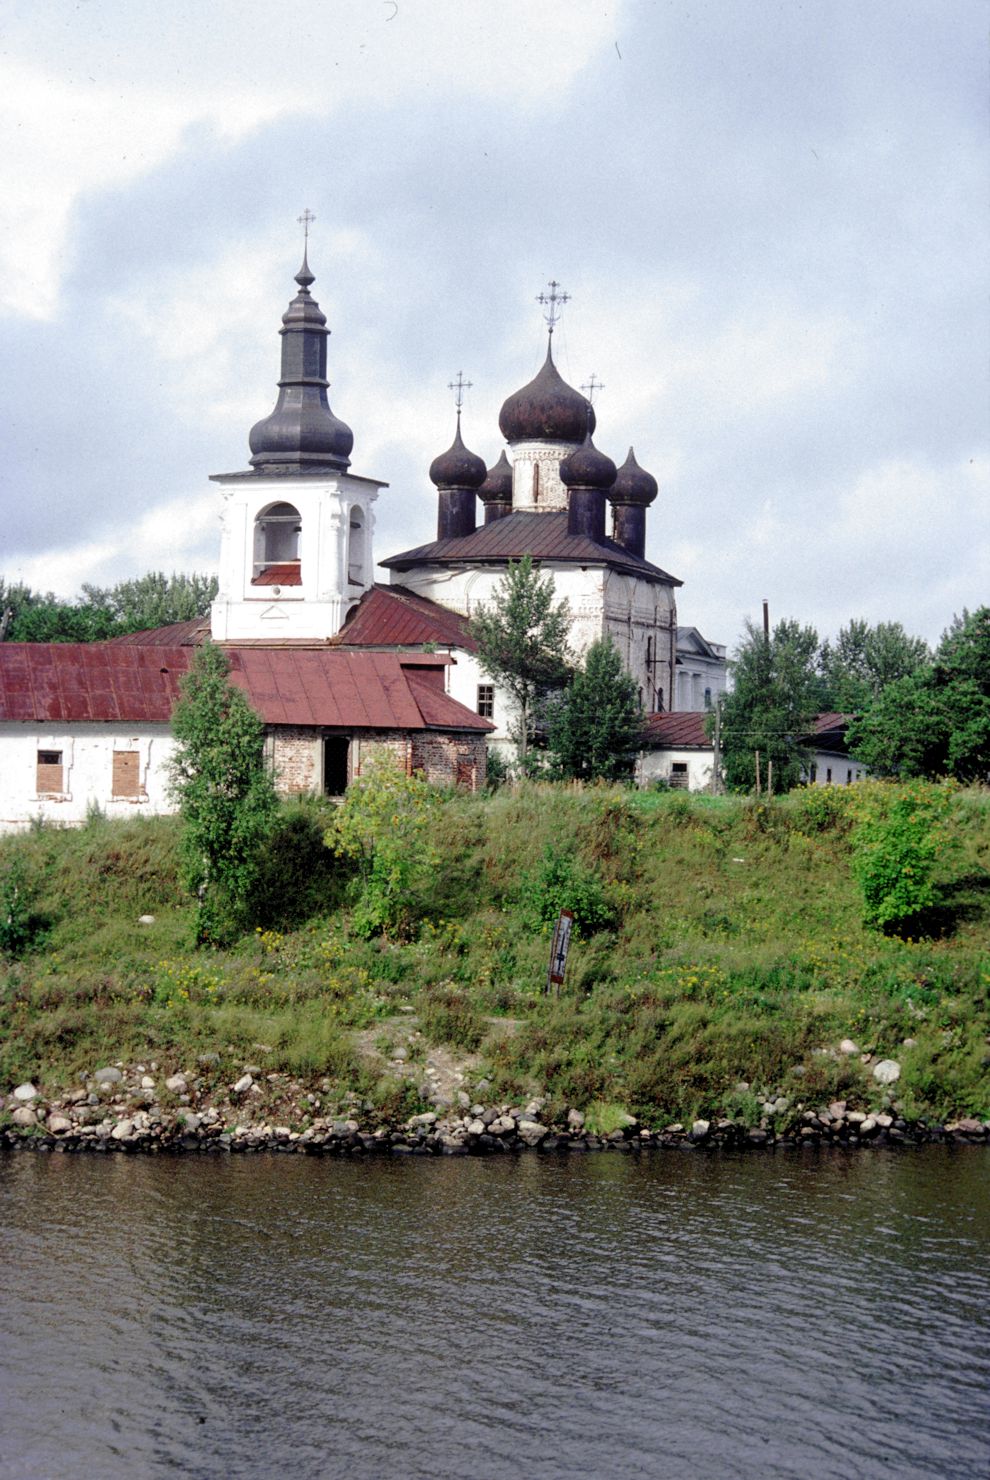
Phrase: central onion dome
[546,410]
[302,434]
[457,467]
[587,468]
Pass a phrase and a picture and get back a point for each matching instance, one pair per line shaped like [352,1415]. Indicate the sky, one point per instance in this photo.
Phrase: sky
[771,219]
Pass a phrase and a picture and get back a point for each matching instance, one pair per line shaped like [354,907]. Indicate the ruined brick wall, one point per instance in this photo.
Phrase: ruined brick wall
[450,760]
[296,754]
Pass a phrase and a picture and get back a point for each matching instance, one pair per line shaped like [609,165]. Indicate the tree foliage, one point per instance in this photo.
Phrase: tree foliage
[596,726]
[152,600]
[225,794]
[383,825]
[771,709]
[935,721]
[896,848]
[863,660]
[522,641]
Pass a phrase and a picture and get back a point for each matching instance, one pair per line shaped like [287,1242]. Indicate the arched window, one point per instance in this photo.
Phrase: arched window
[276,542]
[355,548]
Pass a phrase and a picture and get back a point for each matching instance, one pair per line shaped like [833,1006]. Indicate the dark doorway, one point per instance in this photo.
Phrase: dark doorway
[336,749]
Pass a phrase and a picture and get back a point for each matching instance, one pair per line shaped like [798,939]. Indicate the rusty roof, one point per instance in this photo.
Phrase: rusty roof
[108,683]
[176,634]
[541,536]
[394,616]
[284,573]
[684,730]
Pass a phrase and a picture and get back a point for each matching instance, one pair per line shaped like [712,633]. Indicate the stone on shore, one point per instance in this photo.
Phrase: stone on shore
[888,1071]
[25,1093]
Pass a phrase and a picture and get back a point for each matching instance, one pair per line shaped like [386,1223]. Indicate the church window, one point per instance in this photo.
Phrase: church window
[49,773]
[708,698]
[355,548]
[126,774]
[486,700]
[536,483]
[276,536]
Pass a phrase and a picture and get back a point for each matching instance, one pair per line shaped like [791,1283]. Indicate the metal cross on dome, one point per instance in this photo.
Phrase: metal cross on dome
[592,384]
[305,221]
[459,386]
[552,302]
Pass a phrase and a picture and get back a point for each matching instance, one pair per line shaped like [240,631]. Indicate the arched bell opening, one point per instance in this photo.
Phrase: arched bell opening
[356,548]
[277,529]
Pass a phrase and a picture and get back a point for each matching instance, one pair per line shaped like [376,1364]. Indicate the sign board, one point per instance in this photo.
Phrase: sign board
[558,951]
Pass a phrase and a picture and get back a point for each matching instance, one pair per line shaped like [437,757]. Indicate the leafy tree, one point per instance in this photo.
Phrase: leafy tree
[383,825]
[596,726]
[863,660]
[522,641]
[153,600]
[225,794]
[936,721]
[776,695]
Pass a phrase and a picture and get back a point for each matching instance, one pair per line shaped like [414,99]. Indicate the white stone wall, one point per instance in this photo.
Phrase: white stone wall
[832,768]
[658,765]
[536,482]
[695,675]
[87,772]
[328,505]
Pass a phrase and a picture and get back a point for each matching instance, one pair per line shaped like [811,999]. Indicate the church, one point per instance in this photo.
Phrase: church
[341,668]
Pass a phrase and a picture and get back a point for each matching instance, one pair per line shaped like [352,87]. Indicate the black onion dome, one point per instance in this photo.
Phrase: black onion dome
[546,410]
[633,485]
[497,487]
[302,434]
[457,467]
[587,468]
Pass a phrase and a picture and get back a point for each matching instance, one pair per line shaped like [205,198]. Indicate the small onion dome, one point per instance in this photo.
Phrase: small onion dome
[497,487]
[633,485]
[457,467]
[546,410]
[587,468]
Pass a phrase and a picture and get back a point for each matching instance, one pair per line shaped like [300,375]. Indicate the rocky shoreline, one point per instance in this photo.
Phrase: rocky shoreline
[138,1110]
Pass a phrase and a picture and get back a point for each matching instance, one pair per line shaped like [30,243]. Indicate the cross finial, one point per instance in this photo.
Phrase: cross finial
[459,386]
[593,384]
[551,304]
[305,221]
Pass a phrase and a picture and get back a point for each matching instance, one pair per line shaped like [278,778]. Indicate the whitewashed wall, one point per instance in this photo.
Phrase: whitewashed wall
[658,765]
[87,772]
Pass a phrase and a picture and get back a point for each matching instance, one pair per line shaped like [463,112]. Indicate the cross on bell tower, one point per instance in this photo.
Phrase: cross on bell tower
[551,303]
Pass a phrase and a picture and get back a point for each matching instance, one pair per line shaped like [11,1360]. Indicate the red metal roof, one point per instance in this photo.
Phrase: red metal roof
[286,574]
[105,683]
[543,536]
[70,682]
[685,730]
[176,634]
[394,616]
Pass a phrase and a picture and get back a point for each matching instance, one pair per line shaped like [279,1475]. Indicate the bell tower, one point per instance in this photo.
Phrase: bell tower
[297,526]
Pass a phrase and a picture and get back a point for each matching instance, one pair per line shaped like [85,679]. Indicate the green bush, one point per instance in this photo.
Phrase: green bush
[562,883]
[896,848]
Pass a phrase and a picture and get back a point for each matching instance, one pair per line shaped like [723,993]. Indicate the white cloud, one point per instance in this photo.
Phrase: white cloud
[98,96]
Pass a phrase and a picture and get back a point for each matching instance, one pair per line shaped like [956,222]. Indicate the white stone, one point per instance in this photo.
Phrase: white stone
[848,1046]
[243,1085]
[24,1116]
[123,1130]
[175,1082]
[24,1093]
[532,1132]
[59,1124]
[146,919]
[888,1071]
[700,1129]
[147,1082]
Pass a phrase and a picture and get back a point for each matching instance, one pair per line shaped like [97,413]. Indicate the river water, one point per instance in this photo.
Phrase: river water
[680,1314]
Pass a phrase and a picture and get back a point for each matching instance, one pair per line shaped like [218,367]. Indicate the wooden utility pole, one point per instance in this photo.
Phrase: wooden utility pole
[717,749]
[757,773]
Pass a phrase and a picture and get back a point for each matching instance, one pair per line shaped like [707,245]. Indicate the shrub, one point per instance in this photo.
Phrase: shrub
[561,883]
[896,847]
[384,826]
[20,924]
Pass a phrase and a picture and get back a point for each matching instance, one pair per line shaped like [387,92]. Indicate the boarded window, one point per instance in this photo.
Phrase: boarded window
[466,773]
[679,775]
[126,774]
[486,700]
[49,772]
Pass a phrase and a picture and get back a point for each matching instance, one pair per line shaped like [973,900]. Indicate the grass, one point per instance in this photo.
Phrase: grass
[736,956]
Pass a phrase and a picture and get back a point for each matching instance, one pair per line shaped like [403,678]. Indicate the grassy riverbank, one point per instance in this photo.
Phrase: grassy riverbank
[723,960]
